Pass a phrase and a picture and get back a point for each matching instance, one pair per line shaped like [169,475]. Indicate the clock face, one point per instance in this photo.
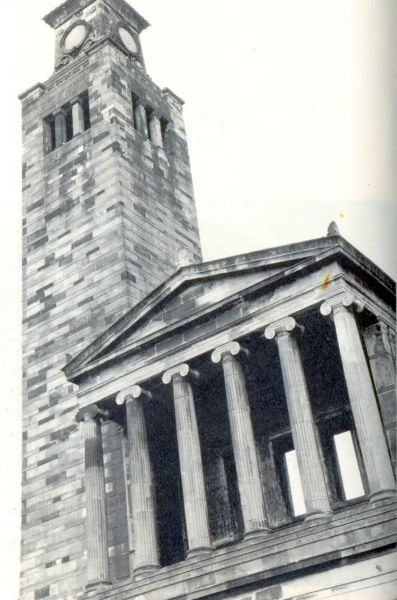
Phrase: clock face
[74,37]
[128,39]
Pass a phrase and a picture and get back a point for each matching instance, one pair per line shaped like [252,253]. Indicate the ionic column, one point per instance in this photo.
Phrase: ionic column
[301,419]
[193,486]
[140,117]
[96,525]
[362,396]
[77,116]
[155,130]
[60,127]
[249,485]
[143,502]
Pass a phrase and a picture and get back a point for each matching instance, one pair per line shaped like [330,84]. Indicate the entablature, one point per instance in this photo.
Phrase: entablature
[162,350]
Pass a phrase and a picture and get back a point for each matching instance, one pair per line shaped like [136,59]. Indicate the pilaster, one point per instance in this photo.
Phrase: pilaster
[96,524]
[141,485]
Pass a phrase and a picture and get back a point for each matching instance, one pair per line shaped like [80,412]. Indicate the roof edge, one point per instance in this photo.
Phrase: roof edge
[200,270]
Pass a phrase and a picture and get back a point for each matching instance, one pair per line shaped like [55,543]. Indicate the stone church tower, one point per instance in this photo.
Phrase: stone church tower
[108,205]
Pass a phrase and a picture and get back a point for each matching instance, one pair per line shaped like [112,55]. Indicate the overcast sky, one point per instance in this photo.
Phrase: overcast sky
[290,114]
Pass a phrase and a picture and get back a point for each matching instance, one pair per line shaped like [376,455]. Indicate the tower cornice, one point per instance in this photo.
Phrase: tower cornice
[65,11]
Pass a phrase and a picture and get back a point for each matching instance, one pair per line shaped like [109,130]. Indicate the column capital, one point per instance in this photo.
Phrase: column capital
[91,413]
[132,393]
[232,348]
[76,100]
[281,327]
[345,299]
[182,370]
[59,111]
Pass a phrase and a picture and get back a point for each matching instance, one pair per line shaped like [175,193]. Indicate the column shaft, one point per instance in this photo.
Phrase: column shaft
[302,427]
[193,486]
[155,130]
[77,117]
[244,450]
[364,405]
[97,538]
[141,118]
[142,491]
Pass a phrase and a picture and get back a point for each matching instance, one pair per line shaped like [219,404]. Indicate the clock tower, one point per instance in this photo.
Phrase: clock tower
[108,207]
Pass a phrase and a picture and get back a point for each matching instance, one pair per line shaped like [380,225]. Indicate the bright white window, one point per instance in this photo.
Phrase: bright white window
[348,466]
[295,483]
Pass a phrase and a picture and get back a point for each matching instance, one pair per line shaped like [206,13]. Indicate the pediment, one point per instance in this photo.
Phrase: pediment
[193,299]
[194,291]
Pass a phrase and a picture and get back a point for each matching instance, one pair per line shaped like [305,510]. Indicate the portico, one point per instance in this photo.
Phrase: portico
[266,396]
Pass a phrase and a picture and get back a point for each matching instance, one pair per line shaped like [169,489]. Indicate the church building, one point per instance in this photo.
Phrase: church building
[191,430]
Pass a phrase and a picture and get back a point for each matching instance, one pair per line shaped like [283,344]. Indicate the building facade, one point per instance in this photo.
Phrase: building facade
[256,395]
[207,430]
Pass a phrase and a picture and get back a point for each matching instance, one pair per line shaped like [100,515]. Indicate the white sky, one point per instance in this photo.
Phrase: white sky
[290,112]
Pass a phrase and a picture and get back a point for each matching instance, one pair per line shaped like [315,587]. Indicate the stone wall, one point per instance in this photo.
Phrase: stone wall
[104,216]
[380,344]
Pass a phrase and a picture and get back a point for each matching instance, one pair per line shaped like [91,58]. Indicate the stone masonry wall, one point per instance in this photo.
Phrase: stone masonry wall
[104,215]
[379,341]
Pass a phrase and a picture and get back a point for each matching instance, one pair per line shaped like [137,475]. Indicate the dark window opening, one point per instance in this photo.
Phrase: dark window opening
[74,122]
[148,114]
[86,111]
[163,449]
[164,128]
[69,125]
[232,491]
[134,101]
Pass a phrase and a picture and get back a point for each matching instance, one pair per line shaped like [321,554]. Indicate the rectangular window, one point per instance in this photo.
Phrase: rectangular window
[349,470]
[149,113]
[141,121]
[134,101]
[288,475]
[164,127]
[294,484]
[64,124]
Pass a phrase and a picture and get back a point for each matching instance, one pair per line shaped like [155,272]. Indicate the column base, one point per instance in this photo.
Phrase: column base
[97,586]
[382,495]
[200,552]
[256,534]
[140,572]
[318,517]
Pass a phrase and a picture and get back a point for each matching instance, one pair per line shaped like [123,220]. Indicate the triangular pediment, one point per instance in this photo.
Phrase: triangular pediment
[192,299]
[196,291]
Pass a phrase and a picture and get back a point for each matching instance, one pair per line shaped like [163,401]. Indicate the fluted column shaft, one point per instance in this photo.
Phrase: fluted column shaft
[248,477]
[362,398]
[96,525]
[155,130]
[77,116]
[192,474]
[141,485]
[301,420]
